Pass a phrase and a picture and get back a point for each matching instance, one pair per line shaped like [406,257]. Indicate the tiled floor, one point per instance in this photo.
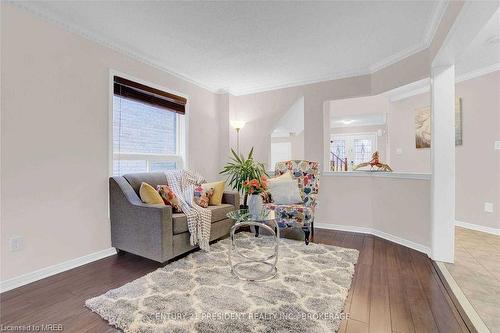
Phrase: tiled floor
[477,271]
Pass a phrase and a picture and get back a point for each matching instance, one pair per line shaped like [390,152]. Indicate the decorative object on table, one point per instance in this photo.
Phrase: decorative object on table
[423,125]
[374,162]
[239,169]
[254,268]
[312,281]
[299,214]
[238,125]
[255,188]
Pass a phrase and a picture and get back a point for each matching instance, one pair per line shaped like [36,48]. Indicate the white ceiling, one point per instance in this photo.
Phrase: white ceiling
[484,51]
[252,46]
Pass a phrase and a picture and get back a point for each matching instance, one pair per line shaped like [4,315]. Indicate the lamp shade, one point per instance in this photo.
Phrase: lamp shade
[237,124]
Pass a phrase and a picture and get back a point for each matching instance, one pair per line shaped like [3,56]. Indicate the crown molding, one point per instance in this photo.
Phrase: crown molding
[423,86]
[148,60]
[409,90]
[441,8]
[335,76]
[478,72]
[395,58]
[439,11]
[129,52]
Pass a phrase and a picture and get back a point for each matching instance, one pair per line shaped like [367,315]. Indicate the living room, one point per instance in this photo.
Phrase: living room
[104,103]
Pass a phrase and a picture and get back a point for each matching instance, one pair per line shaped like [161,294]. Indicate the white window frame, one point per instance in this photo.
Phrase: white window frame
[182,122]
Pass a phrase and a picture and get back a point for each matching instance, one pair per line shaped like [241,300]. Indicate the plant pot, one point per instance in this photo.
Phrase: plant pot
[255,206]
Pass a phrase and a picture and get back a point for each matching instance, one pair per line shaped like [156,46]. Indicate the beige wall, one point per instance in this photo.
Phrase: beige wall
[396,206]
[401,208]
[401,125]
[477,163]
[54,136]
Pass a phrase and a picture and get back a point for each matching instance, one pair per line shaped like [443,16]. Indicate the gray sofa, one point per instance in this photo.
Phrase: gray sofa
[154,231]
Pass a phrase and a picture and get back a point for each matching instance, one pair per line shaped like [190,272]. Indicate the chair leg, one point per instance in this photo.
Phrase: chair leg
[307,232]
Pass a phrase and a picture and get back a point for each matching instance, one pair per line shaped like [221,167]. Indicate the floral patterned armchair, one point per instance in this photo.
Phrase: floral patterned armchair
[299,215]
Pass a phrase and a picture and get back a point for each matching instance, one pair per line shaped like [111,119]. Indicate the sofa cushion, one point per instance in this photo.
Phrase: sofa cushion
[202,196]
[152,178]
[179,220]
[149,195]
[169,197]
[218,187]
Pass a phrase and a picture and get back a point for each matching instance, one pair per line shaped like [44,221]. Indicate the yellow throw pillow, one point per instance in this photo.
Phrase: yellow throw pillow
[218,187]
[149,195]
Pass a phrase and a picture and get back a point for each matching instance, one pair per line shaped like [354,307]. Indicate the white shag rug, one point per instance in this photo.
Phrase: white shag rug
[198,293]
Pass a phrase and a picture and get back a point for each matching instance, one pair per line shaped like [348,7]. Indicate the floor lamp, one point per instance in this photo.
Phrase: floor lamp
[237,124]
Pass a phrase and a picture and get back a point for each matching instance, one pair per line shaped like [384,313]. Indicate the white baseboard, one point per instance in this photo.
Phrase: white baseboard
[477,227]
[24,279]
[365,230]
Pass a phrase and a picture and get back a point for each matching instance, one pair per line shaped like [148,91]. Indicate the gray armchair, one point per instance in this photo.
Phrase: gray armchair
[154,231]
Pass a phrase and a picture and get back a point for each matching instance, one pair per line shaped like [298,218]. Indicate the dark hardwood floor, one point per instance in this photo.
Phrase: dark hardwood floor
[395,289]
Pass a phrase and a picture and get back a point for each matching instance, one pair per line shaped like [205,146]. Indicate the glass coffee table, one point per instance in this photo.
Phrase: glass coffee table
[263,267]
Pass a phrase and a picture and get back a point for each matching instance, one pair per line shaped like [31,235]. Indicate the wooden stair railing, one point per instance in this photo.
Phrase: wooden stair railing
[337,163]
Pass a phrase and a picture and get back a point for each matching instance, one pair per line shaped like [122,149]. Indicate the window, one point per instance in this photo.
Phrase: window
[338,148]
[357,148]
[148,128]
[362,150]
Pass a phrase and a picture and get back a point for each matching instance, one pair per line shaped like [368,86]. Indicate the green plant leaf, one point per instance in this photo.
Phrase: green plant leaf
[239,169]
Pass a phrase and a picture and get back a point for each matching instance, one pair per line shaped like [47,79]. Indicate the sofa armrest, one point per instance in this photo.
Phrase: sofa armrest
[232,198]
[138,228]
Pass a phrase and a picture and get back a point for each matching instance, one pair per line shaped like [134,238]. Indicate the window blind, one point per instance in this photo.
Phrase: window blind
[145,94]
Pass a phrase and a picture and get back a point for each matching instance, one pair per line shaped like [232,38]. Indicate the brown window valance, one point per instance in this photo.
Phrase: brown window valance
[139,92]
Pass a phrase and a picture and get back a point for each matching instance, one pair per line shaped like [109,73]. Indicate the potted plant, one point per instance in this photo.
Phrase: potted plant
[241,169]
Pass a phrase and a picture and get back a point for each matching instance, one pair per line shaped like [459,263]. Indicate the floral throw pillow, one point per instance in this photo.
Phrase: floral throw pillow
[202,196]
[169,197]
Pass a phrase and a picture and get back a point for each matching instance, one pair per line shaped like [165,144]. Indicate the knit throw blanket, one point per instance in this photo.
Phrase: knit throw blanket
[182,183]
